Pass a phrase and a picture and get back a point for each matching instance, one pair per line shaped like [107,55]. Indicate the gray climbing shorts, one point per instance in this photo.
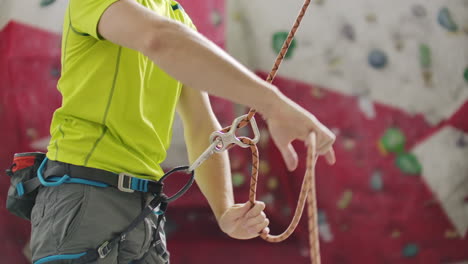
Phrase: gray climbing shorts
[69,219]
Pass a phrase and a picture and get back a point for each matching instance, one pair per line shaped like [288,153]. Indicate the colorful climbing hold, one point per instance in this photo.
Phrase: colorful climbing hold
[264,167]
[427,77]
[371,18]
[377,59]
[286,211]
[45,3]
[366,106]
[317,92]
[32,133]
[465,74]
[348,32]
[216,18]
[268,198]
[410,250]
[264,138]
[319,2]
[445,20]
[321,217]
[345,200]
[238,179]
[451,234]
[393,140]
[325,232]
[396,233]
[272,183]
[55,72]
[376,181]
[425,56]
[381,148]
[408,163]
[461,141]
[419,10]
[278,40]
[349,143]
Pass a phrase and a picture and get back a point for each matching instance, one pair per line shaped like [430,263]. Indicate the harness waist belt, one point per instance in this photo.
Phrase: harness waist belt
[69,173]
[123,181]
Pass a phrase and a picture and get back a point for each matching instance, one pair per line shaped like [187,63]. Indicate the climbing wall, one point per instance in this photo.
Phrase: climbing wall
[29,70]
[391,79]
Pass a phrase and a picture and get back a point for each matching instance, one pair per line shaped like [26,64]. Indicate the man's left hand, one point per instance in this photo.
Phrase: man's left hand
[244,221]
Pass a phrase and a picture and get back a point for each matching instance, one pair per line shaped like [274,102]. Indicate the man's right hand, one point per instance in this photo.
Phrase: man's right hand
[287,122]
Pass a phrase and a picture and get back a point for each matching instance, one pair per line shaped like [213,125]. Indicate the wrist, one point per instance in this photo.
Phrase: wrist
[271,102]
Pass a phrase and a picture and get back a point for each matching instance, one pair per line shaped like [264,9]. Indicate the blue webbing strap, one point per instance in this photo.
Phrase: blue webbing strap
[59,257]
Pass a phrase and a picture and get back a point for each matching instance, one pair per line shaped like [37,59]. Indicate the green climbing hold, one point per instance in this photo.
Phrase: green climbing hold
[278,41]
[393,140]
[408,163]
[47,2]
[446,21]
[238,179]
[425,56]
[410,250]
[466,74]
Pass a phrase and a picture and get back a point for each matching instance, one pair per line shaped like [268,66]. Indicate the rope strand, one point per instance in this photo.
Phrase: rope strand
[308,192]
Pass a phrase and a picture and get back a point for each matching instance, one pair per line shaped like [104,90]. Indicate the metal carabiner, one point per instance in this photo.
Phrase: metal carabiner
[228,138]
[204,156]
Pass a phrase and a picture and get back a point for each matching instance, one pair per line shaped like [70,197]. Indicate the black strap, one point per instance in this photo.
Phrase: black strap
[105,248]
[58,169]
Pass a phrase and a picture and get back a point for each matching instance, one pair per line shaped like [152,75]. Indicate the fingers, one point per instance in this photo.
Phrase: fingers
[258,227]
[330,156]
[256,221]
[323,143]
[290,156]
[256,210]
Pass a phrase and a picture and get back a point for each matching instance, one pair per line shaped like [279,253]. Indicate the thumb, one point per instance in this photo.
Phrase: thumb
[290,156]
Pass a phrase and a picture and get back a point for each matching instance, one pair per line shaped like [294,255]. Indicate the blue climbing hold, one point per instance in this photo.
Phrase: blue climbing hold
[45,3]
[376,182]
[446,21]
[377,59]
[410,250]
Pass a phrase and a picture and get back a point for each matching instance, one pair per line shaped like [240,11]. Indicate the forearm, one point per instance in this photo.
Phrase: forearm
[213,177]
[200,64]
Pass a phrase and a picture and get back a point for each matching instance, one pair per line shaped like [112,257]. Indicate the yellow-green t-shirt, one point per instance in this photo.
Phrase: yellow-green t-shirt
[117,105]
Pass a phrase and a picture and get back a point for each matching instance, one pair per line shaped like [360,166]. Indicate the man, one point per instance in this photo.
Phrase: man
[126,66]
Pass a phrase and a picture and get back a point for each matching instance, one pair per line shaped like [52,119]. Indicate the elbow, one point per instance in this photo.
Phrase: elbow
[157,39]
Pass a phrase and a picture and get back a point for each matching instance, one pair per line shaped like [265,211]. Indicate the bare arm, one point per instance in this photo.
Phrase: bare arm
[184,54]
[214,176]
[200,64]
[241,221]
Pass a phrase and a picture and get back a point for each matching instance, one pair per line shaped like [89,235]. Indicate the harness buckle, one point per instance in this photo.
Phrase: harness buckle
[125,183]
[104,250]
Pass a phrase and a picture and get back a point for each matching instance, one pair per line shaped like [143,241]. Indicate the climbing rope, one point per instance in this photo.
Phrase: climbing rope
[226,138]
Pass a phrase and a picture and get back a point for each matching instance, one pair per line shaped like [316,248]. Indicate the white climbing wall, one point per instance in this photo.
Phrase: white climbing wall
[336,38]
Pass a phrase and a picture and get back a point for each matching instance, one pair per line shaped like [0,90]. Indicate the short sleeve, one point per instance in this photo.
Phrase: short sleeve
[84,15]
[182,16]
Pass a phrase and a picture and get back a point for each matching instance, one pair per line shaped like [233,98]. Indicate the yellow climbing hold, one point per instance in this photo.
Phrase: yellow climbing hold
[396,233]
[272,184]
[345,200]
[264,167]
[451,234]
